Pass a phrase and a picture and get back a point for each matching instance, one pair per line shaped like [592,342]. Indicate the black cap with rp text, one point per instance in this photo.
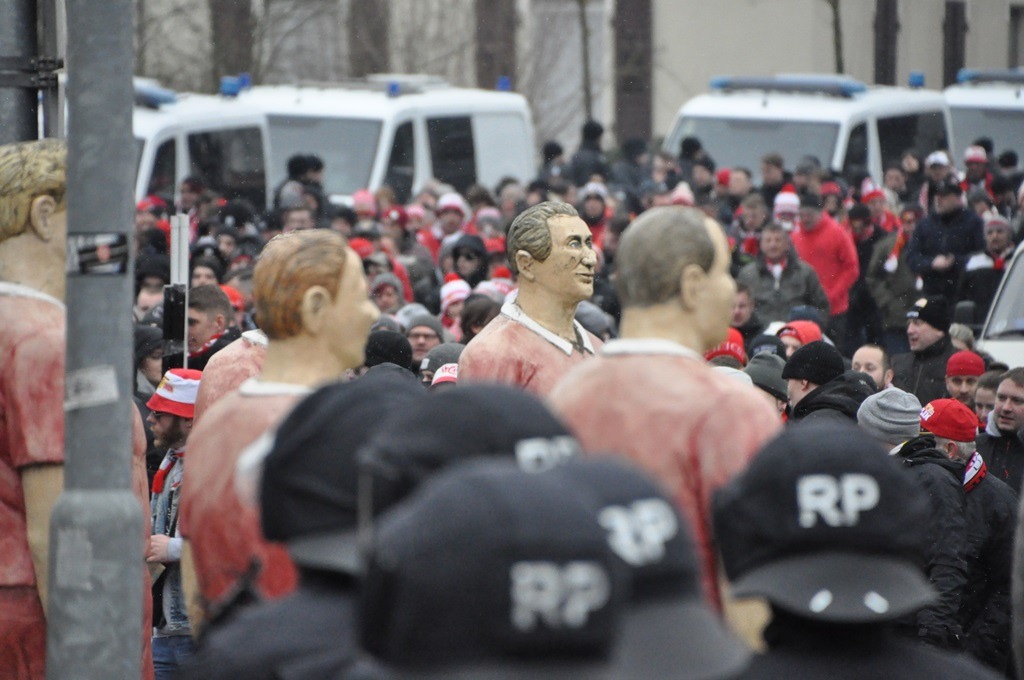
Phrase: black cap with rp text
[826,526]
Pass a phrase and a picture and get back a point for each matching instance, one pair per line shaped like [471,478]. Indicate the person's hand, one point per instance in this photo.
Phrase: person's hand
[942,262]
[157,551]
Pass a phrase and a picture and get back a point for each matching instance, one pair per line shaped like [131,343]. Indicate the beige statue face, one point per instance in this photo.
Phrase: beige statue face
[349,319]
[568,272]
[714,296]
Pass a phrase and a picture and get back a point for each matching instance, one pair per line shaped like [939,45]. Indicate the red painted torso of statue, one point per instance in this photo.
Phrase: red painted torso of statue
[223,530]
[516,352]
[229,368]
[672,415]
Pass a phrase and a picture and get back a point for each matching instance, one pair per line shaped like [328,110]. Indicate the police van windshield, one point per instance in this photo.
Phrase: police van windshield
[734,142]
[1007,317]
[346,145]
[1003,126]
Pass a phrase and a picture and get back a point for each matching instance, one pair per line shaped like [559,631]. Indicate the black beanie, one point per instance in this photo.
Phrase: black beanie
[388,347]
[933,310]
[816,362]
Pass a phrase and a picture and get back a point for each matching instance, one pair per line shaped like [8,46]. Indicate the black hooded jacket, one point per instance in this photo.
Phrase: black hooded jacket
[473,244]
[985,610]
[836,400]
[942,479]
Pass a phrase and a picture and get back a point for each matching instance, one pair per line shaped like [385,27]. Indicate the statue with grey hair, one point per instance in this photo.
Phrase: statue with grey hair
[536,339]
[650,395]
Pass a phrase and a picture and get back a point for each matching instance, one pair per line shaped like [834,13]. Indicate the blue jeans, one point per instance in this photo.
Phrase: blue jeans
[170,654]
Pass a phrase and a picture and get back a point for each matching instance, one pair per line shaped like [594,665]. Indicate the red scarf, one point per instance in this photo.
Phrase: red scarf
[975,472]
[209,343]
[166,465]
[901,240]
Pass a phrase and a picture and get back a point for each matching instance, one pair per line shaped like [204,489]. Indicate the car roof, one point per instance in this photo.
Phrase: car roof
[804,106]
[986,95]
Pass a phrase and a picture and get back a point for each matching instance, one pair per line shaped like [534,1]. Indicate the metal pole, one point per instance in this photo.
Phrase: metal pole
[19,105]
[94,629]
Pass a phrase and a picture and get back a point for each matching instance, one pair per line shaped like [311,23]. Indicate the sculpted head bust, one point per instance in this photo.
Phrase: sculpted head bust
[550,248]
[33,224]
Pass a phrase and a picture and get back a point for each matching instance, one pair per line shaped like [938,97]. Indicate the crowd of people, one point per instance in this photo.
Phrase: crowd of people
[630,420]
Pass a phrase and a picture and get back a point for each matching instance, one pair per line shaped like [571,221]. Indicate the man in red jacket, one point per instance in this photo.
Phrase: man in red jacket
[829,249]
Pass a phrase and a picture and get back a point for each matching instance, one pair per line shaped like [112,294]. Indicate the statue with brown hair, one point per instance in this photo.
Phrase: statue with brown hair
[312,304]
[33,239]
[536,339]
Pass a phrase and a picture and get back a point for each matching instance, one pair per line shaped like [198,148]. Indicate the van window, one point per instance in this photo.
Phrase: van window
[923,132]
[230,162]
[451,150]
[348,147]
[402,163]
[1003,126]
[496,157]
[856,160]
[1007,315]
[736,142]
[161,182]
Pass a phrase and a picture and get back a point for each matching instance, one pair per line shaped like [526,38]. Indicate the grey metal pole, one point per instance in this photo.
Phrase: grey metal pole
[94,629]
[19,105]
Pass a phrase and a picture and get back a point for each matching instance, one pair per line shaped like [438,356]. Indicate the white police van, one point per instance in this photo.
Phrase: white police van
[387,129]
[988,103]
[1002,336]
[848,126]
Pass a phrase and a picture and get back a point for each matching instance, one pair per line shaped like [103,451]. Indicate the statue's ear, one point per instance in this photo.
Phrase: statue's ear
[524,262]
[691,285]
[41,216]
[315,303]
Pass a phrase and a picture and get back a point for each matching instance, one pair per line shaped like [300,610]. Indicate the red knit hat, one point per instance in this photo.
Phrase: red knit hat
[965,362]
[804,331]
[949,419]
[731,347]
[872,195]
[363,247]
[176,393]
[234,296]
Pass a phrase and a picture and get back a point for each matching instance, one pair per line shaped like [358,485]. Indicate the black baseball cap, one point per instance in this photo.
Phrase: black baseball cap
[451,426]
[308,491]
[669,630]
[826,526]
[948,186]
[489,571]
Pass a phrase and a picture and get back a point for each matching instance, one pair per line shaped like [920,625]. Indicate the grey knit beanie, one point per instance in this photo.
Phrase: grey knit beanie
[765,369]
[445,353]
[891,416]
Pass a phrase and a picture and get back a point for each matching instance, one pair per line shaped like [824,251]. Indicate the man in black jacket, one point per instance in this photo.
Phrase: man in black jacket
[818,389]
[893,418]
[991,508]
[826,527]
[922,370]
[1002,442]
[943,241]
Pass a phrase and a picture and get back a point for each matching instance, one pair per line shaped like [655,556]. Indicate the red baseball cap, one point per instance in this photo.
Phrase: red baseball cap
[803,330]
[949,419]
[363,247]
[731,347]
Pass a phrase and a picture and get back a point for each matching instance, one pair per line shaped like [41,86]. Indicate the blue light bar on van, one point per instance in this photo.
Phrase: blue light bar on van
[504,84]
[152,96]
[995,75]
[835,86]
[394,88]
[230,86]
[916,79]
